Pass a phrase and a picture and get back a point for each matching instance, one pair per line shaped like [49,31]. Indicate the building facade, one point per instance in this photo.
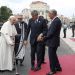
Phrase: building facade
[26,14]
[41,7]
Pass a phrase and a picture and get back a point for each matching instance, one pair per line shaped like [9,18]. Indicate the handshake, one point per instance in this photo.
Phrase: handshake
[40,38]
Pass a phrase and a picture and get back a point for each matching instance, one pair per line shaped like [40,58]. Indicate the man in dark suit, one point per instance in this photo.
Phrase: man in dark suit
[64,29]
[21,28]
[44,43]
[73,29]
[53,41]
[38,28]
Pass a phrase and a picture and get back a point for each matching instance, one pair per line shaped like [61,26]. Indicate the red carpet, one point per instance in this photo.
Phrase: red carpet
[73,39]
[67,63]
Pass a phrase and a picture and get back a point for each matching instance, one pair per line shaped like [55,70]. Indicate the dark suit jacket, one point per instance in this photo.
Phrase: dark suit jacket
[53,34]
[73,26]
[17,37]
[36,29]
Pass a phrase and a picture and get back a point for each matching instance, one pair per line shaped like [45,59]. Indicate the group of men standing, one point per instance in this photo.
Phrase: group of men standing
[40,34]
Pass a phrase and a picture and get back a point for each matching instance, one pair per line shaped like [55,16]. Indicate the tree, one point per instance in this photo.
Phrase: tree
[5,12]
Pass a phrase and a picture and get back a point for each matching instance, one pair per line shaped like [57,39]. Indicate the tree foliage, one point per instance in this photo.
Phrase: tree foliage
[5,12]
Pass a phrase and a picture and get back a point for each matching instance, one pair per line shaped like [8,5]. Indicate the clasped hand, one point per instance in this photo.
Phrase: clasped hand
[40,37]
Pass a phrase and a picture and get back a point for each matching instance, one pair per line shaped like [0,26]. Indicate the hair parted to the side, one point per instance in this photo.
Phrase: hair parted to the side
[53,11]
[34,12]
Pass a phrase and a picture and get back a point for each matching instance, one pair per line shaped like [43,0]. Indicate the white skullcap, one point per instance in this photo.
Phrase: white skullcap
[11,17]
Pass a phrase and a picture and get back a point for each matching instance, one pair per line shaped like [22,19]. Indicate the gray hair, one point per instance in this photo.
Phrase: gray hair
[34,12]
[53,11]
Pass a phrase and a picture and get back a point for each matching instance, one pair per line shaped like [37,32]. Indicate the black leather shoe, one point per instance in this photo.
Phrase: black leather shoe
[43,62]
[13,69]
[59,69]
[32,68]
[21,64]
[72,36]
[2,70]
[37,68]
[51,73]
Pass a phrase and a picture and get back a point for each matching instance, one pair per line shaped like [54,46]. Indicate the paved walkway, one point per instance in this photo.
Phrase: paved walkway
[68,38]
[66,48]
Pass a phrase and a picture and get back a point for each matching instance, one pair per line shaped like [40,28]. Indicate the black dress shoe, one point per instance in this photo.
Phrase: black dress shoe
[21,64]
[13,69]
[43,62]
[2,70]
[64,37]
[37,68]
[59,69]
[72,36]
[32,68]
[51,73]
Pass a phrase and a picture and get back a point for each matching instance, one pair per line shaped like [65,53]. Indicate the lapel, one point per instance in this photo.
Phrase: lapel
[37,21]
[36,24]
[52,22]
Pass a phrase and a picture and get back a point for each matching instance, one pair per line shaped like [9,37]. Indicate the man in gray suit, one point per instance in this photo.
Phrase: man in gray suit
[53,41]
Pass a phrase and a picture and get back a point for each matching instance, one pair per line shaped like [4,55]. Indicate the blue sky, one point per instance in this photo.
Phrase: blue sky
[64,7]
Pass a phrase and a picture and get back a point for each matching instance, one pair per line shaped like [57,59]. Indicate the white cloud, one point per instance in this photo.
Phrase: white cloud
[65,7]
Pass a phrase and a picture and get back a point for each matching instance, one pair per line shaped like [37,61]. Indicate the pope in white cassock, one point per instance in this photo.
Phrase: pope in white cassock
[7,38]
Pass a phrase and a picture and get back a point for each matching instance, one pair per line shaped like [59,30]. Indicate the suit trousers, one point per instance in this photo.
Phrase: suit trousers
[54,62]
[36,49]
[43,52]
[72,32]
[64,33]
